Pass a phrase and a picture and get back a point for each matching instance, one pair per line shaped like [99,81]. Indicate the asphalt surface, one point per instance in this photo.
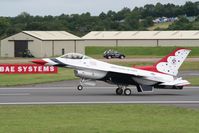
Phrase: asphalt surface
[65,92]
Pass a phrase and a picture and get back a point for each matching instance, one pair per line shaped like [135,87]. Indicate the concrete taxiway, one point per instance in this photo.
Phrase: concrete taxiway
[65,92]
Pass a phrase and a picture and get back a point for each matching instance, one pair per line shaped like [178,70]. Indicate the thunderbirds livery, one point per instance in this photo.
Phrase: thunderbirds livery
[162,75]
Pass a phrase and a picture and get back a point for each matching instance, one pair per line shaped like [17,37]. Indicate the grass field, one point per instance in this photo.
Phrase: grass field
[193,80]
[104,118]
[138,51]
[23,79]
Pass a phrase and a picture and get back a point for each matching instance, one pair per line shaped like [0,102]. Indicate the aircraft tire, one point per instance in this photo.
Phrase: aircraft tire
[119,91]
[127,92]
[80,87]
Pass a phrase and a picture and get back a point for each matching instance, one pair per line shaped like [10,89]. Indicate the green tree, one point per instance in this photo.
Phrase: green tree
[182,24]
[147,22]
[148,10]
[132,22]
[4,24]
[191,9]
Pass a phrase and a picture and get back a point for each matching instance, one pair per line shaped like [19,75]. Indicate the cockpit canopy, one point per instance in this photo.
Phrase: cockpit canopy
[74,56]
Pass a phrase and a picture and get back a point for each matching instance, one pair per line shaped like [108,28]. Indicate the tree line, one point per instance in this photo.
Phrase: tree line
[139,18]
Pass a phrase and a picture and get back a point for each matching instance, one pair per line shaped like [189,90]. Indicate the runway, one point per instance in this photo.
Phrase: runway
[65,92]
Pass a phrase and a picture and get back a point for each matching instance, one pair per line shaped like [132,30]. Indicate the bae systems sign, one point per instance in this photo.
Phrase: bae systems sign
[26,69]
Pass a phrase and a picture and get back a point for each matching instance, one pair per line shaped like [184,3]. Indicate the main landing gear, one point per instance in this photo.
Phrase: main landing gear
[121,89]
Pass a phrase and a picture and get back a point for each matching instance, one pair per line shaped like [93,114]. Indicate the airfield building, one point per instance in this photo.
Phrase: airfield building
[141,38]
[55,43]
[39,43]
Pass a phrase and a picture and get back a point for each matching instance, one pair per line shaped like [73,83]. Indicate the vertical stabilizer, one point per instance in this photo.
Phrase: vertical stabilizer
[172,62]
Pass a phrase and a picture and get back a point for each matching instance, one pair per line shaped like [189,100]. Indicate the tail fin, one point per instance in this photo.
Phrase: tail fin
[172,62]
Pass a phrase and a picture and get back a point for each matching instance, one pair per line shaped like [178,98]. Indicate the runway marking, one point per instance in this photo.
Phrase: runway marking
[103,102]
[15,94]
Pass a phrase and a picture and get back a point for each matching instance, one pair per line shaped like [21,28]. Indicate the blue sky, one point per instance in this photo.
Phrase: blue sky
[57,7]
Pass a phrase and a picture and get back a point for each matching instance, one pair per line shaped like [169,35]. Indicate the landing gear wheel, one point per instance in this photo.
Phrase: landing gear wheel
[80,87]
[119,91]
[127,92]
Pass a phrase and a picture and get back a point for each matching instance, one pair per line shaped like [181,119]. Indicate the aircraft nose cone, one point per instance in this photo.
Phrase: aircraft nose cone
[39,61]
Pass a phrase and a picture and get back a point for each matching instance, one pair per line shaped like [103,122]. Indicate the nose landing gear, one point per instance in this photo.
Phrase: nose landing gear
[85,82]
[79,87]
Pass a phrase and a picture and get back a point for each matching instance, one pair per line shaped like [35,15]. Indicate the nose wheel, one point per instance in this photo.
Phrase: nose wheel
[80,87]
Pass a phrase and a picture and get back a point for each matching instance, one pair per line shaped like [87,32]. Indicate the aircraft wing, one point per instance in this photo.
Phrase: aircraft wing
[124,73]
[99,66]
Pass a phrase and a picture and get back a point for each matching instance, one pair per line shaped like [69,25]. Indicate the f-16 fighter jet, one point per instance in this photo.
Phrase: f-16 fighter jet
[162,75]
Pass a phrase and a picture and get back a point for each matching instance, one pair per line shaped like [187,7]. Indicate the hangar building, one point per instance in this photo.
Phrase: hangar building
[141,38]
[40,43]
[55,43]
